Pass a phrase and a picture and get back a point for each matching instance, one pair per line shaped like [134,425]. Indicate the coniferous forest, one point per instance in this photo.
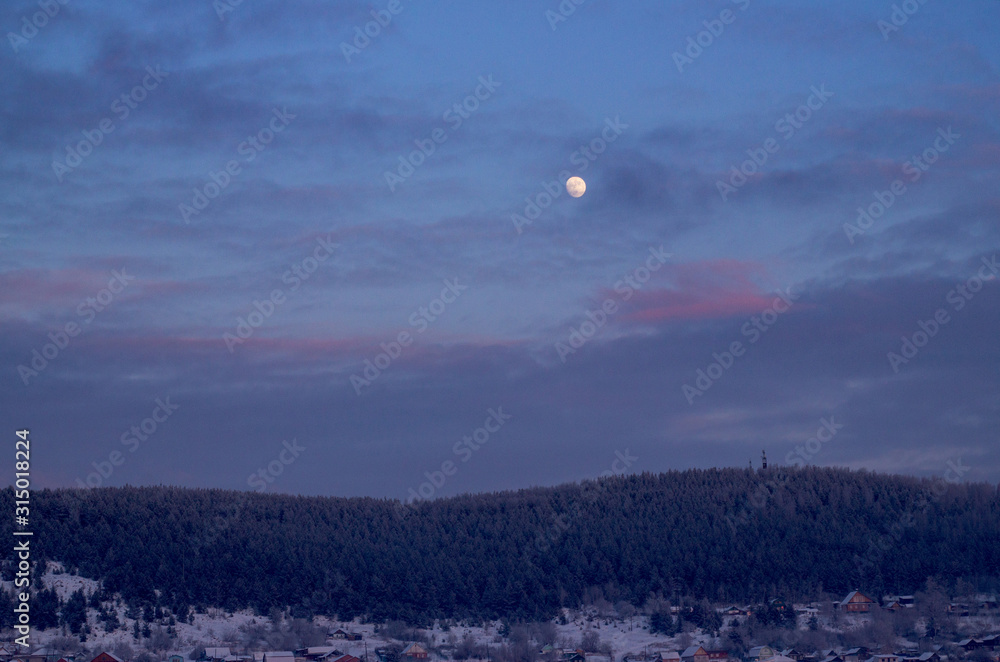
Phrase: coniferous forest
[721,534]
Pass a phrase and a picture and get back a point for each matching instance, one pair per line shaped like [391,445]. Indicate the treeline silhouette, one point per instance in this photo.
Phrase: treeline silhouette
[721,534]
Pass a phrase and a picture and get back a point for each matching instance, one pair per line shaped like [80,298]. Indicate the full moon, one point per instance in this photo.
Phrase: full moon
[576,186]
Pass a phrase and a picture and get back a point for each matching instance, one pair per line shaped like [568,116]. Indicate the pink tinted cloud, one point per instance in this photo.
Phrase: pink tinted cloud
[711,289]
[39,287]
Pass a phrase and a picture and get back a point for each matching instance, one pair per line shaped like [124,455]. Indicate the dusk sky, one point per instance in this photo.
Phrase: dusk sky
[322,258]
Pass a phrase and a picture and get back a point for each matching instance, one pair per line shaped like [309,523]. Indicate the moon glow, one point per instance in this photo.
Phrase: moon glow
[576,186]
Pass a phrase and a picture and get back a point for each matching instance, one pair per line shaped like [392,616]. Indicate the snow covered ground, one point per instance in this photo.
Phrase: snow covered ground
[219,628]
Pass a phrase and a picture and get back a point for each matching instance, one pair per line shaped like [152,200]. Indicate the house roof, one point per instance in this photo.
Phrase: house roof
[111,655]
[690,651]
[852,594]
[218,652]
[670,655]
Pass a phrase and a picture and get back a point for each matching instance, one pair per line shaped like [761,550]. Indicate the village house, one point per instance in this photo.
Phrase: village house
[929,656]
[958,609]
[414,652]
[759,654]
[106,657]
[345,634]
[278,656]
[694,654]
[718,655]
[318,652]
[45,653]
[8,649]
[898,602]
[968,645]
[858,654]
[856,601]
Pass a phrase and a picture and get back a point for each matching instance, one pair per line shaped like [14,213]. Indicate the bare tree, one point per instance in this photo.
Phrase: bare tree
[590,641]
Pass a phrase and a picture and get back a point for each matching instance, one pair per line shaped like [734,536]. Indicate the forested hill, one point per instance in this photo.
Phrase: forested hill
[725,534]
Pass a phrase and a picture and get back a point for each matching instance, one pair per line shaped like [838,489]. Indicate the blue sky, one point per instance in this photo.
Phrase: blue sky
[253,314]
